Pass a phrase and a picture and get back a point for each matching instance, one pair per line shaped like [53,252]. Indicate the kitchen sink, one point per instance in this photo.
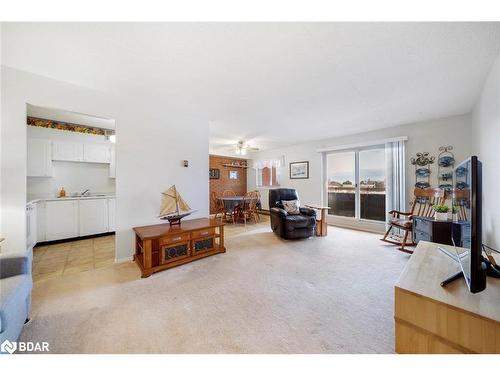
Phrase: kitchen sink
[87,195]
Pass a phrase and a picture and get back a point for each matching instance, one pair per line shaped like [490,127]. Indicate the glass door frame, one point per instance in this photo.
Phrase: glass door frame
[356,222]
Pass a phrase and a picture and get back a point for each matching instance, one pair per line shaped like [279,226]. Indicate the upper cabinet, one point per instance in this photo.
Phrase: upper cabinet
[67,151]
[85,152]
[39,158]
[96,153]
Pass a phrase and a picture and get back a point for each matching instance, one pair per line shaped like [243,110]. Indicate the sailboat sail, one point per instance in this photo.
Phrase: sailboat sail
[172,203]
[183,206]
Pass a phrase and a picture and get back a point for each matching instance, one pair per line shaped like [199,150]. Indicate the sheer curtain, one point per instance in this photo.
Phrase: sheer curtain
[395,198]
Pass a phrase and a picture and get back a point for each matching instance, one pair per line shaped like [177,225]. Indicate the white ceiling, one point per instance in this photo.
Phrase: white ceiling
[69,117]
[271,83]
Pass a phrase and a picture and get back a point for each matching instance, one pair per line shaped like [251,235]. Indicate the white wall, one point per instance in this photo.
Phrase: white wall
[151,143]
[74,177]
[486,144]
[1,127]
[423,136]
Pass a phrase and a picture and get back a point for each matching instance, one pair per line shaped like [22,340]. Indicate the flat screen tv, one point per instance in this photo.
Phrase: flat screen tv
[466,232]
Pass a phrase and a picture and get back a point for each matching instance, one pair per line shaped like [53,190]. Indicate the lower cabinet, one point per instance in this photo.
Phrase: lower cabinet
[93,216]
[70,218]
[40,222]
[111,214]
[61,219]
[170,253]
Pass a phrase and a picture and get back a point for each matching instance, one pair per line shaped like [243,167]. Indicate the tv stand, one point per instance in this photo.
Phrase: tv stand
[456,276]
[450,279]
[431,319]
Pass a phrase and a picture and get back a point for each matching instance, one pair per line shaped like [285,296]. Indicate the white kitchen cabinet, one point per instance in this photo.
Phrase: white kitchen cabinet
[40,222]
[93,216]
[31,226]
[67,151]
[39,158]
[61,219]
[112,163]
[111,214]
[96,153]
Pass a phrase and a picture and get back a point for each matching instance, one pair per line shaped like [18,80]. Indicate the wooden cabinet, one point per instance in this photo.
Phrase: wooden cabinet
[67,151]
[96,153]
[61,219]
[432,319]
[39,162]
[93,216]
[111,214]
[428,229]
[162,246]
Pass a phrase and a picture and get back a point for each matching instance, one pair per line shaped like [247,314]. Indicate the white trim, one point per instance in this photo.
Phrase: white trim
[352,223]
[363,144]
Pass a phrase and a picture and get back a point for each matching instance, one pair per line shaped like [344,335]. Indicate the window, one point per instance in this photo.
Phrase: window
[356,183]
[267,173]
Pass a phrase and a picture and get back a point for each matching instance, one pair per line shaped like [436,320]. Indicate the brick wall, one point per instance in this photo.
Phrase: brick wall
[239,186]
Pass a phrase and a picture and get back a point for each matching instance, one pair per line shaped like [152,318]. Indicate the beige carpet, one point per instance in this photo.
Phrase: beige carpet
[264,295]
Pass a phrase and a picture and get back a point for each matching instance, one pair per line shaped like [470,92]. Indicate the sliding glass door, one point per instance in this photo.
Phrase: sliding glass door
[356,184]
[372,184]
[341,170]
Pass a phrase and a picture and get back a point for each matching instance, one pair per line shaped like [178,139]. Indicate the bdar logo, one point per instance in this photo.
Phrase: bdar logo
[8,347]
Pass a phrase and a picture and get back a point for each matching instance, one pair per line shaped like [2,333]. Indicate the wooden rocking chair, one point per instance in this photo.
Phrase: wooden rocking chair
[421,206]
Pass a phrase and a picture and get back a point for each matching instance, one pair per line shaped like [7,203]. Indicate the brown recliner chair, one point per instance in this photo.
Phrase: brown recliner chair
[287,226]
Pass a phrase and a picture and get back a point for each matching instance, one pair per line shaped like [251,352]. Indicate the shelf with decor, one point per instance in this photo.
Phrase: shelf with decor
[235,166]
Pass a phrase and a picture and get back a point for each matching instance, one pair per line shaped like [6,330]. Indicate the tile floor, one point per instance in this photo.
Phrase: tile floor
[72,257]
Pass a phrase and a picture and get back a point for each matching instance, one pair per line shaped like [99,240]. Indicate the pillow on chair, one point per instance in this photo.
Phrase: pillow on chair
[291,207]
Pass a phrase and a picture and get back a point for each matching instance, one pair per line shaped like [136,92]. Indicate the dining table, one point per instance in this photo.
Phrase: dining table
[230,203]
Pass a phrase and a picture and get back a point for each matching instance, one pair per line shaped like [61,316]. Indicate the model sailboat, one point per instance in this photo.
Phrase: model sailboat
[173,207]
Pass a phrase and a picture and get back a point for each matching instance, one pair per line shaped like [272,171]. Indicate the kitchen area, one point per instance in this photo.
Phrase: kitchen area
[70,202]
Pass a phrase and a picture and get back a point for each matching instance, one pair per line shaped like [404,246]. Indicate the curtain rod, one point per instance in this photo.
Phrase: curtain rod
[363,144]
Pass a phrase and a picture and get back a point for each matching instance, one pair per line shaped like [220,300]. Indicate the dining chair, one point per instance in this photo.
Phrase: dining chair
[228,193]
[218,206]
[233,212]
[248,209]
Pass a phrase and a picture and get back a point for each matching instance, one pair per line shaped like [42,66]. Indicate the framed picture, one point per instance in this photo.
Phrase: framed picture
[214,174]
[233,175]
[299,169]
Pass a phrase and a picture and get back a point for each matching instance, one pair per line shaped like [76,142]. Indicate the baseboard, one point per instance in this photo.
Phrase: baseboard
[72,239]
[366,228]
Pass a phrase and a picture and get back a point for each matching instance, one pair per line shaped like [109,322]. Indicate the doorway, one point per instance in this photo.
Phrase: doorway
[70,196]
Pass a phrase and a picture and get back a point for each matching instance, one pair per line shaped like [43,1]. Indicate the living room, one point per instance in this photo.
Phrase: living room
[313,157]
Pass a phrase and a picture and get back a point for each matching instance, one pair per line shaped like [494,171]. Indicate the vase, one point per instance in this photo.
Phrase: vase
[455,217]
[441,216]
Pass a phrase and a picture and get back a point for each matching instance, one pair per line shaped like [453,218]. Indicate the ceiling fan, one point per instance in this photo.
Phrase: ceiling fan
[242,147]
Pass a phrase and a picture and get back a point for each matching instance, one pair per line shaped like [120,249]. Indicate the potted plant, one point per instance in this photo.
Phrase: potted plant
[441,211]
[454,213]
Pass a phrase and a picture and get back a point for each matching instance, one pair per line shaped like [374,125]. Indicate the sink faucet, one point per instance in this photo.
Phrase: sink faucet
[86,191]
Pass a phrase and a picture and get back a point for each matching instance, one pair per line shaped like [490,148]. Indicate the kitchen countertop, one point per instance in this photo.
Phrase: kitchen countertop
[32,199]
